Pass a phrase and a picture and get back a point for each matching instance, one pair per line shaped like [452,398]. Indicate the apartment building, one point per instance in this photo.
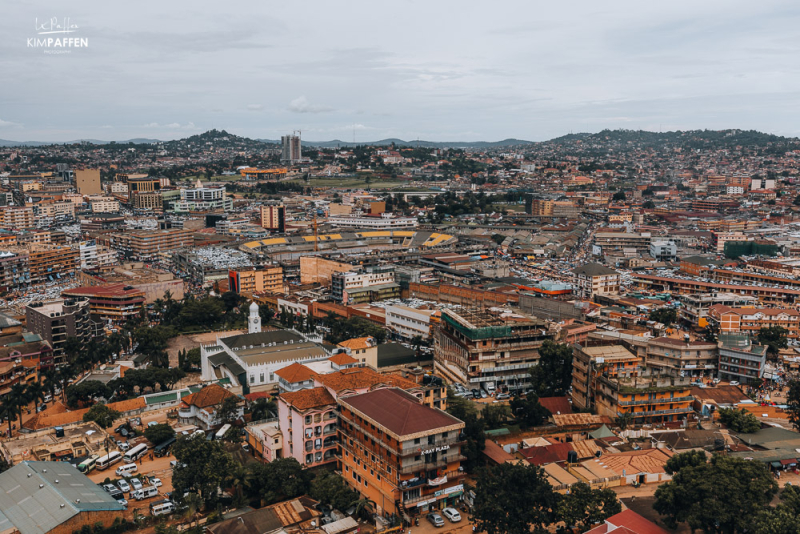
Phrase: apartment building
[488,348]
[104,205]
[620,242]
[143,244]
[273,217]
[751,320]
[203,199]
[316,270]
[610,380]
[359,287]
[57,320]
[114,303]
[17,218]
[594,279]
[402,455]
[718,239]
[384,221]
[48,263]
[696,307]
[14,271]
[682,358]
[256,280]
[309,426]
[55,209]
[147,201]
[407,322]
[740,359]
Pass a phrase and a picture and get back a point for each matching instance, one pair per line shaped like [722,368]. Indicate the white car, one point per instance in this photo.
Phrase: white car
[156,482]
[452,514]
[136,484]
[734,383]
[124,486]
[123,502]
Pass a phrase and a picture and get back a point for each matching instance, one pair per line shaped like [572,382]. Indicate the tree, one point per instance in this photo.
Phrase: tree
[102,415]
[665,316]
[649,205]
[514,498]
[685,459]
[201,468]
[495,415]
[739,420]
[778,520]
[774,337]
[153,343]
[280,480]
[363,508]
[474,436]
[793,403]
[228,411]
[582,507]
[85,392]
[158,434]
[624,419]
[331,489]
[619,196]
[724,495]
[18,400]
[529,410]
[262,409]
[232,300]
[552,376]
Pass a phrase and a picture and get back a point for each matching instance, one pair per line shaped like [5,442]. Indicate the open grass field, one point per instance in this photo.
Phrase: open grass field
[351,182]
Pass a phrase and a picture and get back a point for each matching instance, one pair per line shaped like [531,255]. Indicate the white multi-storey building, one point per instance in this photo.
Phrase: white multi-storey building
[409,322]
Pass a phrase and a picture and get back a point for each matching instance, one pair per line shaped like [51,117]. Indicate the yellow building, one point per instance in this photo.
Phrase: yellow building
[269,278]
[87,181]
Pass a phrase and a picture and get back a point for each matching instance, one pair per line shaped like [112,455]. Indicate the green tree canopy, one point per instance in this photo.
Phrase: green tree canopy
[739,420]
[102,415]
[85,392]
[280,480]
[583,507]
[774,337]
[685,459]
[158,434]
[514,498]
[528,410]
[724,495]
[202,467]
[552,376]
[331,489]
[474,436]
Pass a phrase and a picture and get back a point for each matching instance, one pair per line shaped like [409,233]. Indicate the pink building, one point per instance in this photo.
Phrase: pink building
[308,424]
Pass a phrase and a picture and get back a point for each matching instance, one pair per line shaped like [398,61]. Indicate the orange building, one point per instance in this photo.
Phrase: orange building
[751,320]
[268,278]
[612,381]
[399,453]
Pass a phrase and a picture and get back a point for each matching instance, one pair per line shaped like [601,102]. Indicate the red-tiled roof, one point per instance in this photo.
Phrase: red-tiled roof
[399,412]
[358,343]
[308,398]
[628,521]
[212,395]
[548,454]
[342,359]
[556,405]
[496,453]
[296,372]
[362,378]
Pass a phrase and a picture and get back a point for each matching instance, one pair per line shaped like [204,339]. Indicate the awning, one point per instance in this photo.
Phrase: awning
[776,465]
[788,462]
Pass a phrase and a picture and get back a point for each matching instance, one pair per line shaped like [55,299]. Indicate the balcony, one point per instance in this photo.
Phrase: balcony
[654,401]
[660,412]
[185,413]
[422,465]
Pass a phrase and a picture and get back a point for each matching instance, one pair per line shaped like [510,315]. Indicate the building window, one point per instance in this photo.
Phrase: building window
[252,379]
[261,378]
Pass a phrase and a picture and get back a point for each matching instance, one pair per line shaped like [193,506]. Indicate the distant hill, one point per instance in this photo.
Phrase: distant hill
[136,141]
[689,138]
[427,144]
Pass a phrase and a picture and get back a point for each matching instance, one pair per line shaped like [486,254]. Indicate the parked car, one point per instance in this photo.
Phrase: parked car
[484,395]
[452,514]
[124,446]
[503,396]
[135,484]
[734,383]
[124,486]
[476,393]
[155,482]
[123,502]
[435,519]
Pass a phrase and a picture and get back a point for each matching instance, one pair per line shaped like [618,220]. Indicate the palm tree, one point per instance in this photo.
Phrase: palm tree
[50,383]
[18,398]
[416,342]
[624,419]
[8,409]
[193,503]
[363,506]
[35,392]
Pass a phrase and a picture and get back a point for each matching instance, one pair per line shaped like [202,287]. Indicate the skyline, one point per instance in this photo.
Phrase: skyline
[445,72]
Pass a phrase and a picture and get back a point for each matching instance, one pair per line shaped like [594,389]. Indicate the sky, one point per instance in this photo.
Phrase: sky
[435,70]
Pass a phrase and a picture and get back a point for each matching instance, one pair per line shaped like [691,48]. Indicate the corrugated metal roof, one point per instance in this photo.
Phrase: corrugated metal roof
[36,497]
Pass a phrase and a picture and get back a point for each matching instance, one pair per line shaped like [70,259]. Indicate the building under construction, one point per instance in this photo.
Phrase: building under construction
[489,348]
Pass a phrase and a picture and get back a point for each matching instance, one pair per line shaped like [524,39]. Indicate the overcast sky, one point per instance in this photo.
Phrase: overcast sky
[428,69]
